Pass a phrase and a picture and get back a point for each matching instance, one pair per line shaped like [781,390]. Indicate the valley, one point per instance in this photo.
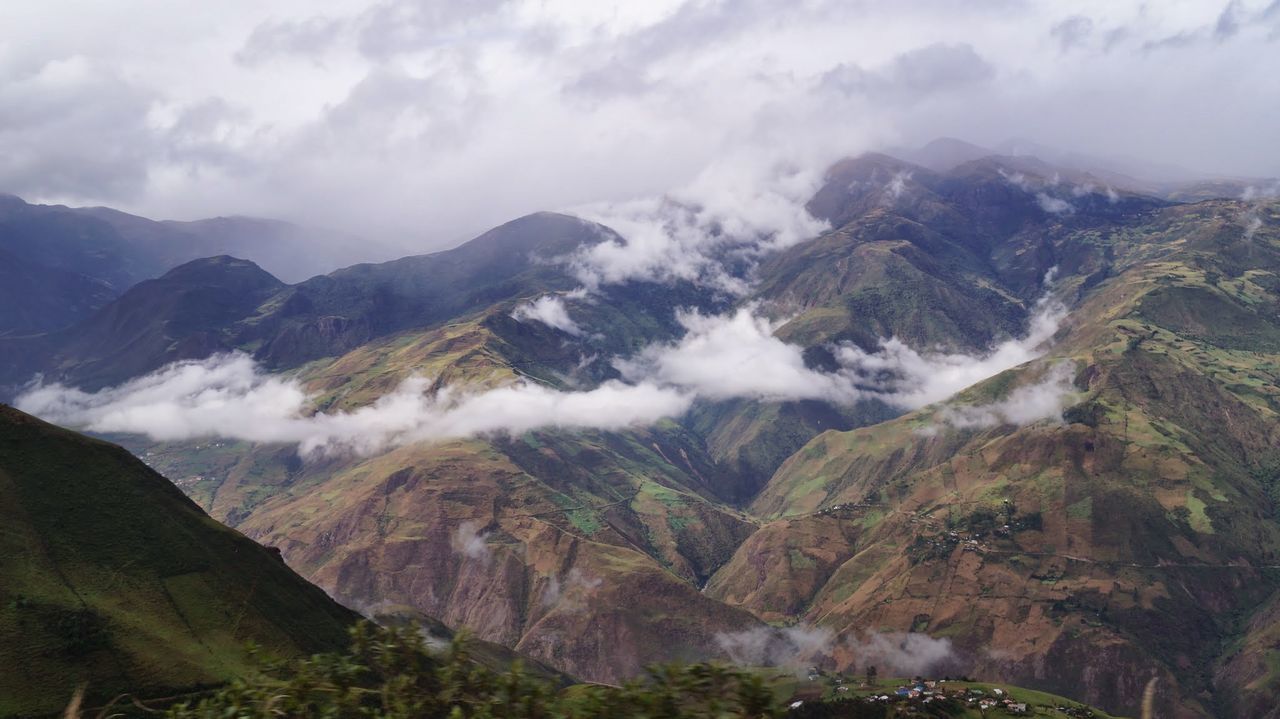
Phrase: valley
[1037,441]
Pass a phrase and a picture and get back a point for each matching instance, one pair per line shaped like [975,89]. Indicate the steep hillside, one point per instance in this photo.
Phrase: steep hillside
[1141,532]
[110,576]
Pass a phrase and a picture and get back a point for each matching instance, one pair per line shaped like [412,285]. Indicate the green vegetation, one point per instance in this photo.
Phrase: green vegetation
[391,673]
[110,576]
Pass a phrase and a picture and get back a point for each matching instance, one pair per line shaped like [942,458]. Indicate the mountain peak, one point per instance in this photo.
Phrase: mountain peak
[223,270]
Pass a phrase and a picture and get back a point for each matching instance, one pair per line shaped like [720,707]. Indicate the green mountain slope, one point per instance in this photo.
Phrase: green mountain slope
[110,576]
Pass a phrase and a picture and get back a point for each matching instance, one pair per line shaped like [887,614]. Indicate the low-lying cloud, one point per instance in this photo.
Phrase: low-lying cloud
[720,357]
[902,653]
[736,355]
[796,646]
[730,215]
[1043,400]
[804,645]
[551,311]
[908,378]
[468,541]
[1053,205]
[573,593]
[227,396]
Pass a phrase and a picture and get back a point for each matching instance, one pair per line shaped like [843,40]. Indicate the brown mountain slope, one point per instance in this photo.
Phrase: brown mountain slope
[460,531]
[1133,540]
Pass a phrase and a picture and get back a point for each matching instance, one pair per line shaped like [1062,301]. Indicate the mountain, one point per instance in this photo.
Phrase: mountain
[37,297]
[1141,533]
[110,576]
[1138,535]
[656,508]
[944,154]
[182,315]
[69,262]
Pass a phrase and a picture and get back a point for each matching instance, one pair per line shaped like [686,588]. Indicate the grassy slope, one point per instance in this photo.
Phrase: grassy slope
[109,575]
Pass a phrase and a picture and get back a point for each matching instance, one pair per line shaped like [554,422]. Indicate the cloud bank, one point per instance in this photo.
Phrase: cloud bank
[468,541]
[349,113]
[227,396]
[738,209]
[735,355]
[911,379]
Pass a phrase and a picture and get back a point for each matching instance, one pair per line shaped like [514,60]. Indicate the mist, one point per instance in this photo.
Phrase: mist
[426,122]
[469,542]
[719,357]
[550,310]
[902,653]
[1044,399]
[229,396]
[804,645]
[793,647]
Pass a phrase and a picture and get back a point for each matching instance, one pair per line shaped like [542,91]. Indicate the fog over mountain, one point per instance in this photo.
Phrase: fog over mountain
[425,121]
[847,341]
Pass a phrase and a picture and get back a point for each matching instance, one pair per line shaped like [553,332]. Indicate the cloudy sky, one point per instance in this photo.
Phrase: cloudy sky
[426,121]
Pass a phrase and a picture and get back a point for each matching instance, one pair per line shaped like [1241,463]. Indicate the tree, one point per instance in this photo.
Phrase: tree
[871,675]
[390,673]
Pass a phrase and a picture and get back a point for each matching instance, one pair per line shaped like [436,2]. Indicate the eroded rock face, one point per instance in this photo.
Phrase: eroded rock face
[460,532]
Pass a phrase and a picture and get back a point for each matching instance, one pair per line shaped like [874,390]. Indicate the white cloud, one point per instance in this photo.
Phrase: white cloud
[735,355]
[898,184]
[574,593]
[350,113]
[892,653]
[739,208]
[1053,205]
[719,357]
[226,396]
[1043,400]
[550,310]
[470,542]
[901,653]
[909,378]
[1256,196]
[793,647]
[1254,193]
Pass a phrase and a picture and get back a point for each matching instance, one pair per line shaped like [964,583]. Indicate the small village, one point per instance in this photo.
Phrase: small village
[924,697]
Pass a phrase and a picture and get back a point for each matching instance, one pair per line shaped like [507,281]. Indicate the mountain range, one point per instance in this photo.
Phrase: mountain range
[1040,448]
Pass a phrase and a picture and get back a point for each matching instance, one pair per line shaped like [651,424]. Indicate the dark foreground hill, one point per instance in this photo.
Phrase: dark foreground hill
[110,576]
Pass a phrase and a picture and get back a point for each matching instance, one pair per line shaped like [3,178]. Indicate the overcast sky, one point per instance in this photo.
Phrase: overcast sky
[429,120]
